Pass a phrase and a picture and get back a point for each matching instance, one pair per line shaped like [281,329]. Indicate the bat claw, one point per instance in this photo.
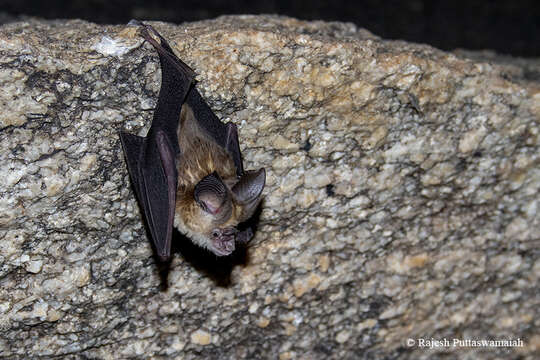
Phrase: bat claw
[245,236]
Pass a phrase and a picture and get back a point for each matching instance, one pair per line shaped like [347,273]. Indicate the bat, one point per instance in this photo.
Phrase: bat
[187,172]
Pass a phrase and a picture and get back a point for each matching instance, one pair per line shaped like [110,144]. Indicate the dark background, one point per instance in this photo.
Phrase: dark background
[508,27]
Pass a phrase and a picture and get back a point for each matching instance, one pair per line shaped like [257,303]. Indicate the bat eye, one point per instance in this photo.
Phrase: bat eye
[215,233]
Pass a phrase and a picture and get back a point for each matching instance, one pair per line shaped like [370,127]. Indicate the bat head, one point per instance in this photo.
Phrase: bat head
[221,206]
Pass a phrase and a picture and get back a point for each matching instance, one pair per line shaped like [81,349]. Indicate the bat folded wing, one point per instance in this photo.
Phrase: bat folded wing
[133,148]
[154,179]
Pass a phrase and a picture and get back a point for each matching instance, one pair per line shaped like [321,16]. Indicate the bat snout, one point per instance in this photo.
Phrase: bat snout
[223,241]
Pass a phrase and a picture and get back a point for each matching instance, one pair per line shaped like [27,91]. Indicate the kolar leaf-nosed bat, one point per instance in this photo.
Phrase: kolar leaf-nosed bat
[188,170]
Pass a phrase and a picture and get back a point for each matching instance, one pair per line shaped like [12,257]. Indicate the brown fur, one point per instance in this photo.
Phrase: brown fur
[200,156]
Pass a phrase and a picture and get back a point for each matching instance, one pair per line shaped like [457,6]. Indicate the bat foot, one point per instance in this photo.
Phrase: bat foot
[244,236]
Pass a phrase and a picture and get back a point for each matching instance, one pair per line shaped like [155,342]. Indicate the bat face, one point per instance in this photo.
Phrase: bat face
[188,170]
[209,214]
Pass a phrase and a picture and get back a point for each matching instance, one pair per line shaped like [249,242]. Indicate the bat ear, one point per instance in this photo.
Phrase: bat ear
[250,186]
[211,194]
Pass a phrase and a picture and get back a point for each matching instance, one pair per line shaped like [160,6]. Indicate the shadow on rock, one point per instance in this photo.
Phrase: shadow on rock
[218,268]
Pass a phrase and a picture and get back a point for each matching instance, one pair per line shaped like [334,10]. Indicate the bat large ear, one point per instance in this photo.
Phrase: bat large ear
[248,190]
[212,195]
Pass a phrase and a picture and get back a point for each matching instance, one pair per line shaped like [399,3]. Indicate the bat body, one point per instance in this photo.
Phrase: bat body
[188,170]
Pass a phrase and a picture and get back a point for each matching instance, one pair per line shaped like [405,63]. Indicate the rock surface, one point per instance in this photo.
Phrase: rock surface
[401,202]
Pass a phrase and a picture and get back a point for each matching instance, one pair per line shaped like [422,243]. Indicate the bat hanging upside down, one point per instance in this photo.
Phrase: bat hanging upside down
[188,170]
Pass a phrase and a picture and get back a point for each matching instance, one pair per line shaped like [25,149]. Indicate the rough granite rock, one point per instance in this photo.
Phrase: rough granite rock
[402,197]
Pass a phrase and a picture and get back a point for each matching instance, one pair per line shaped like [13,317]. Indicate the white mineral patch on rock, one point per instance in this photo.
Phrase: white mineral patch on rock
[34,266]
[111,47]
